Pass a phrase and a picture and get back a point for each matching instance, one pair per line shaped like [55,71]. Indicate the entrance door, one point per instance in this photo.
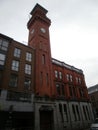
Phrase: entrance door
[46,120]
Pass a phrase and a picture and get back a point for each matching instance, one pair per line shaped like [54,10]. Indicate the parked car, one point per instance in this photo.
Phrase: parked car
[94,125]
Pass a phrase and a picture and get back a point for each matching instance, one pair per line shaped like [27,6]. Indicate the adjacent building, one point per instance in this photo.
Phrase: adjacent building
[93,93]
[37,91]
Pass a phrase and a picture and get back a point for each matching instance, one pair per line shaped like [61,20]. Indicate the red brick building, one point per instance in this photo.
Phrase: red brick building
[47,93]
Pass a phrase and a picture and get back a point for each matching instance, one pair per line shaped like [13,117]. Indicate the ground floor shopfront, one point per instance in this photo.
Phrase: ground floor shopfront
[48,114]
[16,120]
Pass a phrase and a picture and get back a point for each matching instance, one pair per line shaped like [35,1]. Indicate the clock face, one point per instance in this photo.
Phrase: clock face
[43,30]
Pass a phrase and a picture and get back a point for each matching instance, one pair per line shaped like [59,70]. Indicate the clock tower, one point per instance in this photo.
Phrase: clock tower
[38,26]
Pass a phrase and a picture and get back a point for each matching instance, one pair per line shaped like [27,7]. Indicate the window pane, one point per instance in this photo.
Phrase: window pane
[71,78]
[60,75]
[28,69]
[4,44]
[18,96]
[17,52]
[15,65]
[13,80]
[56,74]
[2,59]
[28,56]
[67,76]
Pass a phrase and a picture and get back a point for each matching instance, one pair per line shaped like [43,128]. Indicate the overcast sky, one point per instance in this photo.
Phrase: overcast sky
[73,31]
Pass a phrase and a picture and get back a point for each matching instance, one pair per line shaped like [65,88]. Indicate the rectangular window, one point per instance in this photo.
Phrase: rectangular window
[27,69]
[41,78]
[47,79]
[15,65]
[56,73]
[81,92]
[71,90]
[60,75]
[17,52]
[43,59]
[67,76]
[58,89]
[65,111]
[84,112]
[28,56]
[2,59]
[3,44]
[76,79]
[62,89]
[13,80]
[71,78]
[87,112]
[61,112]
[18,96]
[78,113]
[74,112]
[79,81]
[27,83]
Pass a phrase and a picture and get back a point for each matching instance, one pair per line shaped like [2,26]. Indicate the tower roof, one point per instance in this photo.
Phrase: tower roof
[38,7]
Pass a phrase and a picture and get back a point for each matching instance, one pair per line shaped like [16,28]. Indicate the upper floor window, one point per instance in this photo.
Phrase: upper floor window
[58,89]
[27,69]
[41,78]
[47,78]
[17,52]
[81,92]
[76,79]
[56,73]
[72,91]
[71,78]
[2,59]
[28,56]
[67,76]
[60,75]
[79,81]
[43,59]
[15,65]
[4,44]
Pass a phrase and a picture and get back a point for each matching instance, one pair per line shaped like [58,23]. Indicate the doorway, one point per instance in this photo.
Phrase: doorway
[46,120]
